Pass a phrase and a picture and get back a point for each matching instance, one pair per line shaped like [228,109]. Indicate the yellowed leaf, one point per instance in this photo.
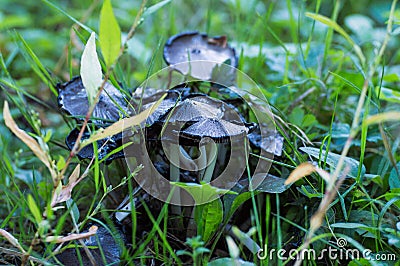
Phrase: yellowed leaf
[10,238]
[383,117]
[122,124]
[300,171]
[64,194]
[307,169]
[61,239]
[28,140]
[317,220]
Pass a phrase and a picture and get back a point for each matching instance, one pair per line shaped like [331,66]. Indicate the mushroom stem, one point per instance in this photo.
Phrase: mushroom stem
[211,160]
[221,154]
[202,161]
[174,173]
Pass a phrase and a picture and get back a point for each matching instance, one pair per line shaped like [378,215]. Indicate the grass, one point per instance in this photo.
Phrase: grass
[331,84]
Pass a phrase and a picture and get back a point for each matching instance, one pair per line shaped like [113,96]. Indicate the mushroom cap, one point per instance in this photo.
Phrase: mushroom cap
[165,106]
[272,142]
[192,110]
[195,46]
[87,152]
[161,110]
[219,130]
[111,249]
[73,100]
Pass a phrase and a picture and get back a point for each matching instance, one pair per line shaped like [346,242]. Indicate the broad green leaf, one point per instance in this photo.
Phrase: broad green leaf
[110,34]
[359,24]
[34,209]
[296,116]
[246,240]
[332,160]
[237,202]
[349,225]
[309,192]
[60,163]
[272,184]
[154,8]
[387,94]
[208,217]
[90,69]
[75,214]
[202,193]
[394,178]
[330,23]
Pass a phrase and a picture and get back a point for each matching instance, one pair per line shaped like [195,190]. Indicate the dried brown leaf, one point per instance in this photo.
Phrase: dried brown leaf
[122,124]
[307,169]
[28,140]
[61,239]
[300,171]
[64,194]
[13,241]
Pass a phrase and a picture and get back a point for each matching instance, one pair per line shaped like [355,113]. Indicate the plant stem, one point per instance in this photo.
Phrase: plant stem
[76,149]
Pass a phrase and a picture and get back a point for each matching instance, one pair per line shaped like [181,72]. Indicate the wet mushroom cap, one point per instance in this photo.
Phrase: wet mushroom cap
[109,243]
[173,96]
[105,146]
[194,46]
[271,141]
[192,110]
[219,130]
[73,100]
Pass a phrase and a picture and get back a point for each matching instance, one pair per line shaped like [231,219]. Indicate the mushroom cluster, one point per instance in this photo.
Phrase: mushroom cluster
[112,106]
[189,121]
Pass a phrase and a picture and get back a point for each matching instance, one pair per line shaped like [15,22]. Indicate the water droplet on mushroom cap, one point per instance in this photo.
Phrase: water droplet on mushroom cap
[73,100]
[194,46]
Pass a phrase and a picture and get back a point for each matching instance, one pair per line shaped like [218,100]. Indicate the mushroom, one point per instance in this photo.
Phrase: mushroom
[191,110]
[72,99]
[196,121]
[194,46]
[218,131]
[109,243]
[271,141]
[105,146]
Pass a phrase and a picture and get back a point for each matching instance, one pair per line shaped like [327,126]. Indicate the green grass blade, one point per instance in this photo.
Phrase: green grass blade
[332,24]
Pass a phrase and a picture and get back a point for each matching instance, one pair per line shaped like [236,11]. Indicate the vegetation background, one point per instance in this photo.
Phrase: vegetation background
[317,76]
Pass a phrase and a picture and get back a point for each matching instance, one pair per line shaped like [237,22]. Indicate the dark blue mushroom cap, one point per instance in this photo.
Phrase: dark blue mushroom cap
[73,100]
